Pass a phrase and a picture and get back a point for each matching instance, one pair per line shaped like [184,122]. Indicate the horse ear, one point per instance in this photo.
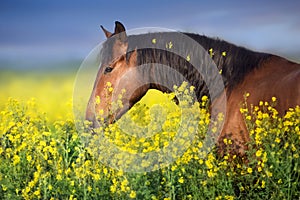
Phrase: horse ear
[106,32]
[120,31]
[119,27]
[120,44]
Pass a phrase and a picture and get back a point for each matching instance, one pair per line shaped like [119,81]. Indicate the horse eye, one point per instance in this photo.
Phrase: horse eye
[108,70]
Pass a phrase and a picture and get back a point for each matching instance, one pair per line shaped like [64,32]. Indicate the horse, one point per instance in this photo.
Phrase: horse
[262,75]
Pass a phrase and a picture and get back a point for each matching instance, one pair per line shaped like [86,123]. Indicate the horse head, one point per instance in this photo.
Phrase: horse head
[117,76]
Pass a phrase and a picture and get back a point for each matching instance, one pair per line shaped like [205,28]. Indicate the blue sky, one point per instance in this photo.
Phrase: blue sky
[39,31]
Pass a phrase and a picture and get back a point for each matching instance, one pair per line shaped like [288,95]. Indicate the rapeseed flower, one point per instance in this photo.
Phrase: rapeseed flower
[56,162]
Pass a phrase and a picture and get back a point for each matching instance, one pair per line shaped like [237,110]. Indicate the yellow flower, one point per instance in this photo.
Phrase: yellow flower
[58,177]
[286,145]
[43,143]
[188,58]
[113,188]
[173,168]
[204,98]
[263,184]
[200,161]
[16,159]
[50,187]
[181,180]
[265,116]
[225,140]
[97,101]
[269,174]
[259,169]
[4,188]
[293,147]
[277,140]
[209,164]
[211,174]
[110,89]
[242,188]
[37,192]
[258,153]
[72,197]
[227,197]
[108,84]
[170,45]
[211,52]
[249,170]
[219,197]
[264,159]
[132,194]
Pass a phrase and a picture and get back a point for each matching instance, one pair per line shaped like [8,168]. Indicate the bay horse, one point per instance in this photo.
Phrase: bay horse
[262,75]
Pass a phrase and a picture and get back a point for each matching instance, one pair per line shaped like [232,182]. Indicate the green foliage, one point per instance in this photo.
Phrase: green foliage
[41,159]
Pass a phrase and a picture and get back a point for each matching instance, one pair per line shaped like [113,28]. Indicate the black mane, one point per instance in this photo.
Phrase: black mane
[237,62]
[235,65]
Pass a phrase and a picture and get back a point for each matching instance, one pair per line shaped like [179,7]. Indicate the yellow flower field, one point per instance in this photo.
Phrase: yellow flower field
[43,154]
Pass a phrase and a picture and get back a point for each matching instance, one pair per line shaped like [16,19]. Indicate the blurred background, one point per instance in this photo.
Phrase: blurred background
[42,43]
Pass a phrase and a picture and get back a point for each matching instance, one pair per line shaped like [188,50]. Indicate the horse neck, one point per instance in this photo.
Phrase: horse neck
[172,70]
[233,62]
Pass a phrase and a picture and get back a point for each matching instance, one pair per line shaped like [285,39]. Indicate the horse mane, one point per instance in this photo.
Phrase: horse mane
[237,62]
[235,65]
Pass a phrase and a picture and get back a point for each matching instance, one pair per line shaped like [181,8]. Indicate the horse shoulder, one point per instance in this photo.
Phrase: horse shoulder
[276,77]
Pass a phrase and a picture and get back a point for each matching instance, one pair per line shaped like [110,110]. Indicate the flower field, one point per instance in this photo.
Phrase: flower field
[43,154]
